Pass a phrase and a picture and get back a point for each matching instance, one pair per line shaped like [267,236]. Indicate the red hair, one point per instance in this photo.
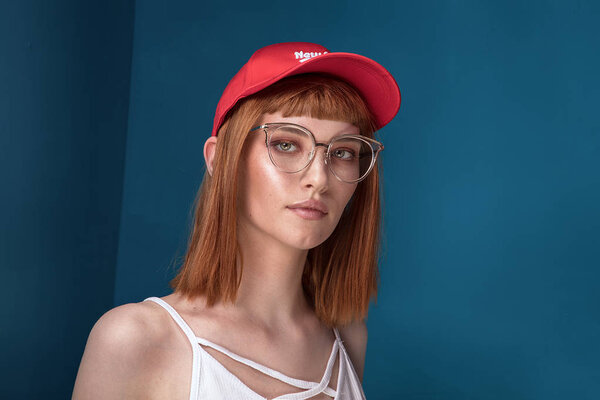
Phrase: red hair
[341,275]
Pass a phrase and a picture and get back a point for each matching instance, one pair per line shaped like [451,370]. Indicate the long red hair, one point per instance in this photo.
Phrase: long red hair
[341,275]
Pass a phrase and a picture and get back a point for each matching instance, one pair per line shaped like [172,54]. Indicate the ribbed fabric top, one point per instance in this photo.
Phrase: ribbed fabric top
[211,380]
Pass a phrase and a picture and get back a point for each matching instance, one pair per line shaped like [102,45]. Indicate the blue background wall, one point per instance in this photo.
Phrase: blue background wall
[491,170]
[64,98]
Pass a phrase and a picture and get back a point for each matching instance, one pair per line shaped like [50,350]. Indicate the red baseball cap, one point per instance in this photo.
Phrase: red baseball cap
[277,61]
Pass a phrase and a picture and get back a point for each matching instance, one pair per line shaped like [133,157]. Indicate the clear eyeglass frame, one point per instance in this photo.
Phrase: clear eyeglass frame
[374,145]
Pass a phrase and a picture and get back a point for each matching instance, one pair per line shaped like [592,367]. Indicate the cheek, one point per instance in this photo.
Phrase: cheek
[345,194]
[260,184]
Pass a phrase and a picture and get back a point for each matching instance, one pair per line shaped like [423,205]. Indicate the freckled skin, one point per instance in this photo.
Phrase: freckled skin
[265,192]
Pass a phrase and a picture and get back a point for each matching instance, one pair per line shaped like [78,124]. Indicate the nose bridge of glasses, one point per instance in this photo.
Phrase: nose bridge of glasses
[325,150]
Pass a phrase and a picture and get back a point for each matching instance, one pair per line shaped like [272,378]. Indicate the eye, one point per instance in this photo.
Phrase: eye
[343,154]
[284,146]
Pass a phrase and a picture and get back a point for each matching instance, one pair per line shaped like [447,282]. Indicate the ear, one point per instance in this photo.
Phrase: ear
[210,148]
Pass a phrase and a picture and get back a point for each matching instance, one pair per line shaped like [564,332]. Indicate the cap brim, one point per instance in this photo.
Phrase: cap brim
[376,85]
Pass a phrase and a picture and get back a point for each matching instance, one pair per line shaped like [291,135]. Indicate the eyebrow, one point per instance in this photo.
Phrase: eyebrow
[358,133]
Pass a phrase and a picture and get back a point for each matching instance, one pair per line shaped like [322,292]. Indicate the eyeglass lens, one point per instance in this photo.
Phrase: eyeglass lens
[291,148]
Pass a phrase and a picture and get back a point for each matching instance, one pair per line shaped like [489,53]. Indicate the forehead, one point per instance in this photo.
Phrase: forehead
[322,129]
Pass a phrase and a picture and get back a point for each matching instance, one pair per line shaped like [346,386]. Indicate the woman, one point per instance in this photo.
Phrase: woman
[283,251]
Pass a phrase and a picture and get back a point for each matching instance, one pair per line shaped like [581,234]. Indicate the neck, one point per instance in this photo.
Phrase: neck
[270,292]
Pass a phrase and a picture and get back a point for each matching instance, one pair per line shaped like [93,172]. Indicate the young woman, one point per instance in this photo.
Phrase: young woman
[282,259]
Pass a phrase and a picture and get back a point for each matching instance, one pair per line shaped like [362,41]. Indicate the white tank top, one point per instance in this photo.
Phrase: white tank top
[211,380]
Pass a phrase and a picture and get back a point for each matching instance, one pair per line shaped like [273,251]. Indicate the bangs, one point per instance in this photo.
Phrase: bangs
[317,96]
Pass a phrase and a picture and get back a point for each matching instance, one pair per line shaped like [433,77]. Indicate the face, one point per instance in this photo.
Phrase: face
[280,208]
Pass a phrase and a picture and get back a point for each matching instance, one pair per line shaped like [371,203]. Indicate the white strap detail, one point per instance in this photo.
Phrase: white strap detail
[337,335]
[299,383]
[321,387]
[314,388]
[191,337]
[346,367]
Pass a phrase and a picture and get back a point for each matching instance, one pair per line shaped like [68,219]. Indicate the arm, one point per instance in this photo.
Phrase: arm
[354,336]
[111,366]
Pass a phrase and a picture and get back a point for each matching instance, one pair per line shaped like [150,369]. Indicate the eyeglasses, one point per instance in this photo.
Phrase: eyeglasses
[292,148]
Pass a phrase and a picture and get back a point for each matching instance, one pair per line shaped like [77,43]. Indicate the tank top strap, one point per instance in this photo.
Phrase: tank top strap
[180,321]
[299,383]
[313,388]
[337,335]
[192,339]
[322,386]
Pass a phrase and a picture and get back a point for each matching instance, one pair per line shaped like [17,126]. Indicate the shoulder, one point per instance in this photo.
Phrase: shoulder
[354,336]
[128,328]
[119,352]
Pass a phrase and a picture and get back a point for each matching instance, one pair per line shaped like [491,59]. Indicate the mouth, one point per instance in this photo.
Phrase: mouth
[311,209]
[308,213]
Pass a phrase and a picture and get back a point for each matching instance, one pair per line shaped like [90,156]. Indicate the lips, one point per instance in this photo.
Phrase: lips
[314,205]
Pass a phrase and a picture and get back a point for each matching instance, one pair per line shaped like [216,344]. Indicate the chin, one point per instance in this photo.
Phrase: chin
[310,242]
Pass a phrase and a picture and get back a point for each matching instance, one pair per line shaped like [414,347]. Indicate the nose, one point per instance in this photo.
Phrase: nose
[316,174]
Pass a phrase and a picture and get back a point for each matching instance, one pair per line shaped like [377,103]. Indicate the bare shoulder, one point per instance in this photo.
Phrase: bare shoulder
[354,336]
[118,352]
